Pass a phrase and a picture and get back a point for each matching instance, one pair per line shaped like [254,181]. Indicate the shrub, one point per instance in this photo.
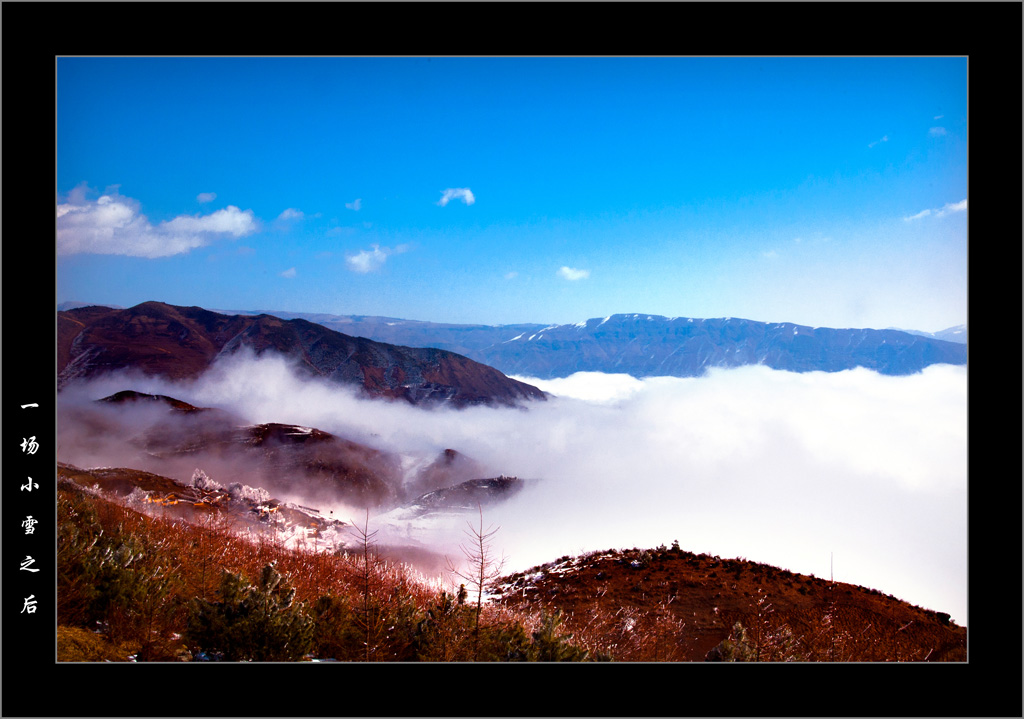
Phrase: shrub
[737,647]
[336,633]
[251,622]
[75,644]
[439,634]
[550,645]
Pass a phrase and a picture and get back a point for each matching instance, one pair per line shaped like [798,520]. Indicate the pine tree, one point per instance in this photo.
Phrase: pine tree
[549,645]
[251,622]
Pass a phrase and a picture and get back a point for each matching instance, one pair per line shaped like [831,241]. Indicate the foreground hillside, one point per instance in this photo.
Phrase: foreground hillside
[666,604]
[138,582]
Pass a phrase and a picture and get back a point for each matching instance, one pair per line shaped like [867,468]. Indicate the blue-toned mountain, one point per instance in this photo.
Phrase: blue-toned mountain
[651,345]
[646,345]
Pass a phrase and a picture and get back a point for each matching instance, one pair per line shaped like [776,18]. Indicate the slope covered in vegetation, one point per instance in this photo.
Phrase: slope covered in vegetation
[152,586]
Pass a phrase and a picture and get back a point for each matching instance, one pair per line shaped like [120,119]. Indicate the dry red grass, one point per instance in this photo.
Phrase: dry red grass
[629,605]
[672,605]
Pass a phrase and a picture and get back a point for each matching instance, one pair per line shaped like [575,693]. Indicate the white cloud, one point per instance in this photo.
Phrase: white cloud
[938,117]
[366,260]
[511,275]
[596,387]
[290,214]
[113,225]
[946,209]
[456,193]
[778,467]
[952,207]
[937,131]
[884,138]
[573,274]
[356,204]
[289,273]
[204,197]
[230,220]
[372,259]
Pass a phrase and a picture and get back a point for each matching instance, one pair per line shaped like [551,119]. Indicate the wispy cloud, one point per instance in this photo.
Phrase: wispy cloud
[356,204]
[883,138]
[936,131]
[204,197]
[732,448]
[511,275]
[290,214]
[951,207]
[372,259]
[456,193]
[947,209]
[572,274]
[114,225]
[289,273]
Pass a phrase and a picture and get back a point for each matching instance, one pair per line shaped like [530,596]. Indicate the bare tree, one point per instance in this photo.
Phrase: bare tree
[368,614]
[481,567]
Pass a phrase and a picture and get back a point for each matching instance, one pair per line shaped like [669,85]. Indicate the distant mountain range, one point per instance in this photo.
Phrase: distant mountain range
[644,345]
[182,342]
[950,334]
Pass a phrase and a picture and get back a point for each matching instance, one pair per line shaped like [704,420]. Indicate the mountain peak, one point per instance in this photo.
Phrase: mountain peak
[183,342]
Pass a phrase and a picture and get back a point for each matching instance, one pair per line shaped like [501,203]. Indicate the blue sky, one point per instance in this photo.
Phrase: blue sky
[822,191]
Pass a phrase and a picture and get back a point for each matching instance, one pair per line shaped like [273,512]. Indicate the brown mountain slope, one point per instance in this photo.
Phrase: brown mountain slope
[651,605]
[672,605]
[182,342]
[165,435]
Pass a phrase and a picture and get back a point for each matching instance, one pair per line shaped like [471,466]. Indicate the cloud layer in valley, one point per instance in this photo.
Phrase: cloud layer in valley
[865,471]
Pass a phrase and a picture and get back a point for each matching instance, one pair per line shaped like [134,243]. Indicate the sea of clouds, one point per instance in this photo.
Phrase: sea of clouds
[852,473]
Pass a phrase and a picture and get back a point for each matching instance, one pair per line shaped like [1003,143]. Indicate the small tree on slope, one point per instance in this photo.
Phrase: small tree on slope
[482,567]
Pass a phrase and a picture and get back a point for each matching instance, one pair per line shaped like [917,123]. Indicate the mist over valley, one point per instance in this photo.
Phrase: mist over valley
[852,471]
[650,360]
